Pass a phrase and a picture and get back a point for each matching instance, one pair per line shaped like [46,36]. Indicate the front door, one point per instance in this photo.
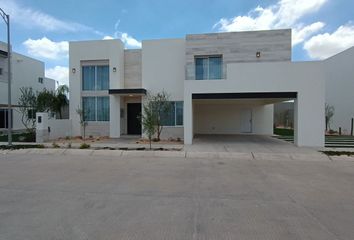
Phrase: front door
[134,123]
[246,121]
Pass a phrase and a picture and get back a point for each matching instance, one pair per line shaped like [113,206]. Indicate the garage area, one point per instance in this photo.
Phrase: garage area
[235,113]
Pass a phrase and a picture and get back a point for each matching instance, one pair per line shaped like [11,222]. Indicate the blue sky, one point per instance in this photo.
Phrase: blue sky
[41,29]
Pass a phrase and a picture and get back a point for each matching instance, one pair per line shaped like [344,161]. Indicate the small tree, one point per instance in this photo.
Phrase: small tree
[329,113]
[27,107]
[161,105]
[148,120]
[83,121]
[61,100]
[45,101]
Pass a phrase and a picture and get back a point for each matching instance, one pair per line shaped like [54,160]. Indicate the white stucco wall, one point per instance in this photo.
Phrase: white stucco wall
[163,68]
[339,72]
[113,52]
[305,78]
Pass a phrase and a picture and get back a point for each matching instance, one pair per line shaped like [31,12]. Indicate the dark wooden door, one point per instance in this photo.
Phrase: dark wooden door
[134,123]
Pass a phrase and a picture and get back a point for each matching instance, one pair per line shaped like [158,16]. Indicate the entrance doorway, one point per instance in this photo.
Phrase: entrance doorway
[246,121]
[134,123]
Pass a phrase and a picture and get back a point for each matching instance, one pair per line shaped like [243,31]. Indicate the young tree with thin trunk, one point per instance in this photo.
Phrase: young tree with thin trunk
[82,114]
[148,120]
[161,106]
[329,113]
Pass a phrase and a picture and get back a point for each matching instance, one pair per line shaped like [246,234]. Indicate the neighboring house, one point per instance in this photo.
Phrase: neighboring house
[339,79]
[220,83]
[26,72]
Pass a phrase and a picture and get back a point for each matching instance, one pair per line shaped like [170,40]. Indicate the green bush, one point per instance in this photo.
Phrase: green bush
[84,146]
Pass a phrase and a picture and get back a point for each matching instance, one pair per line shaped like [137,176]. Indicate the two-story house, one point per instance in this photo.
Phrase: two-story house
[26,72]
[219,83]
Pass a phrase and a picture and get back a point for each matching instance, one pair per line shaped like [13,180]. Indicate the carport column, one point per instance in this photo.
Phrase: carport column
[114,119]
[188,119]
[309,120]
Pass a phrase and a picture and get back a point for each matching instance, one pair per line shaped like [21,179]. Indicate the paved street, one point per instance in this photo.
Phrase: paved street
[105,197]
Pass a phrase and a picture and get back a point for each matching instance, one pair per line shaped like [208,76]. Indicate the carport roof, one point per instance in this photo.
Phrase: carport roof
[245,95]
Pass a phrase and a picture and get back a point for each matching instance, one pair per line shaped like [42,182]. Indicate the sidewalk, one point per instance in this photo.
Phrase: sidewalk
[315,156]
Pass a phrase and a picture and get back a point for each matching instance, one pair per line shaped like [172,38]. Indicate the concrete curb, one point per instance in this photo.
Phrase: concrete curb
[78,152]
[342,158]
[182,154]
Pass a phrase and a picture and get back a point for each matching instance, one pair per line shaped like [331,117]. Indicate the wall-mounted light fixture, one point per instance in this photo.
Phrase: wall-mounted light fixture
[114,69]
[73,70]
[258,54]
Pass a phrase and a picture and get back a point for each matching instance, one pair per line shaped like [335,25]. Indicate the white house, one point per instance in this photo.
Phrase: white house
[26,72]
[220,83]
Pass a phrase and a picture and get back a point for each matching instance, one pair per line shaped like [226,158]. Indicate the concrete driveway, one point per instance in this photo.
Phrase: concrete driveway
[91,197]
[243,143]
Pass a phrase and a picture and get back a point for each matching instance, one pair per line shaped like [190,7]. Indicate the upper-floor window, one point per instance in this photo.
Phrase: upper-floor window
[0,71]
[208,67]
[95,78]
[40,80]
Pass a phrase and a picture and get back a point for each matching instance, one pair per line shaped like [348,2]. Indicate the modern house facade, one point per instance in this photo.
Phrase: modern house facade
[26,72]
[219,83]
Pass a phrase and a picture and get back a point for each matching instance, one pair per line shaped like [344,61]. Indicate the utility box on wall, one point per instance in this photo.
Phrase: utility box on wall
[42,127]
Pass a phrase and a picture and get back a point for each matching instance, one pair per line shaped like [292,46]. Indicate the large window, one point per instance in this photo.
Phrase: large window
[174,117]
[95,78]
[95,108]
[208,67]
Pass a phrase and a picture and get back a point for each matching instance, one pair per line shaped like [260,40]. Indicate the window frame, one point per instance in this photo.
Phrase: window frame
[96,109]
[208,66]
[95,76]
[175,114]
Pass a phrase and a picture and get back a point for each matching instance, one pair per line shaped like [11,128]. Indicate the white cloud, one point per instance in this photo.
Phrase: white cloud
[108,37]
[301,34]
[325,45]
[58,73]
[283,14]
[32,18]
[47,48]
[128,40]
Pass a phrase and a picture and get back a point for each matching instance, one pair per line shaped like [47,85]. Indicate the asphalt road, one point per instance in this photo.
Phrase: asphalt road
[96,197]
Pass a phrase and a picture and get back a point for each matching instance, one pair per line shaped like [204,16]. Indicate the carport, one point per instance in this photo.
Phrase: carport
[236,113]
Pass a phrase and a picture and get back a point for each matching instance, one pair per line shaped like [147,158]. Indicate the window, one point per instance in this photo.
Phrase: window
[3,118]
[95,78]
[208,67]
[174,117]
[31,114]
[96,108]
[0,71]
[40,80]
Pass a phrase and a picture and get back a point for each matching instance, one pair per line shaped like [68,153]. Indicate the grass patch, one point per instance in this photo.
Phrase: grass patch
[284,131]
[19,137]
[338,153]
[20,146]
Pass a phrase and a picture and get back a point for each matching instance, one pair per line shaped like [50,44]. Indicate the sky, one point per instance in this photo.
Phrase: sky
[42,28]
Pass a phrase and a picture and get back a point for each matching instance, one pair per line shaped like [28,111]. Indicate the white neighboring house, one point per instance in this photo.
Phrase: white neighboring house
[220,83]
[339,79]
[26,72]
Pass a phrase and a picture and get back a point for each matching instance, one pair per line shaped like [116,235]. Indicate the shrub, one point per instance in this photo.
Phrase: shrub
[55,145]
[84,146]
